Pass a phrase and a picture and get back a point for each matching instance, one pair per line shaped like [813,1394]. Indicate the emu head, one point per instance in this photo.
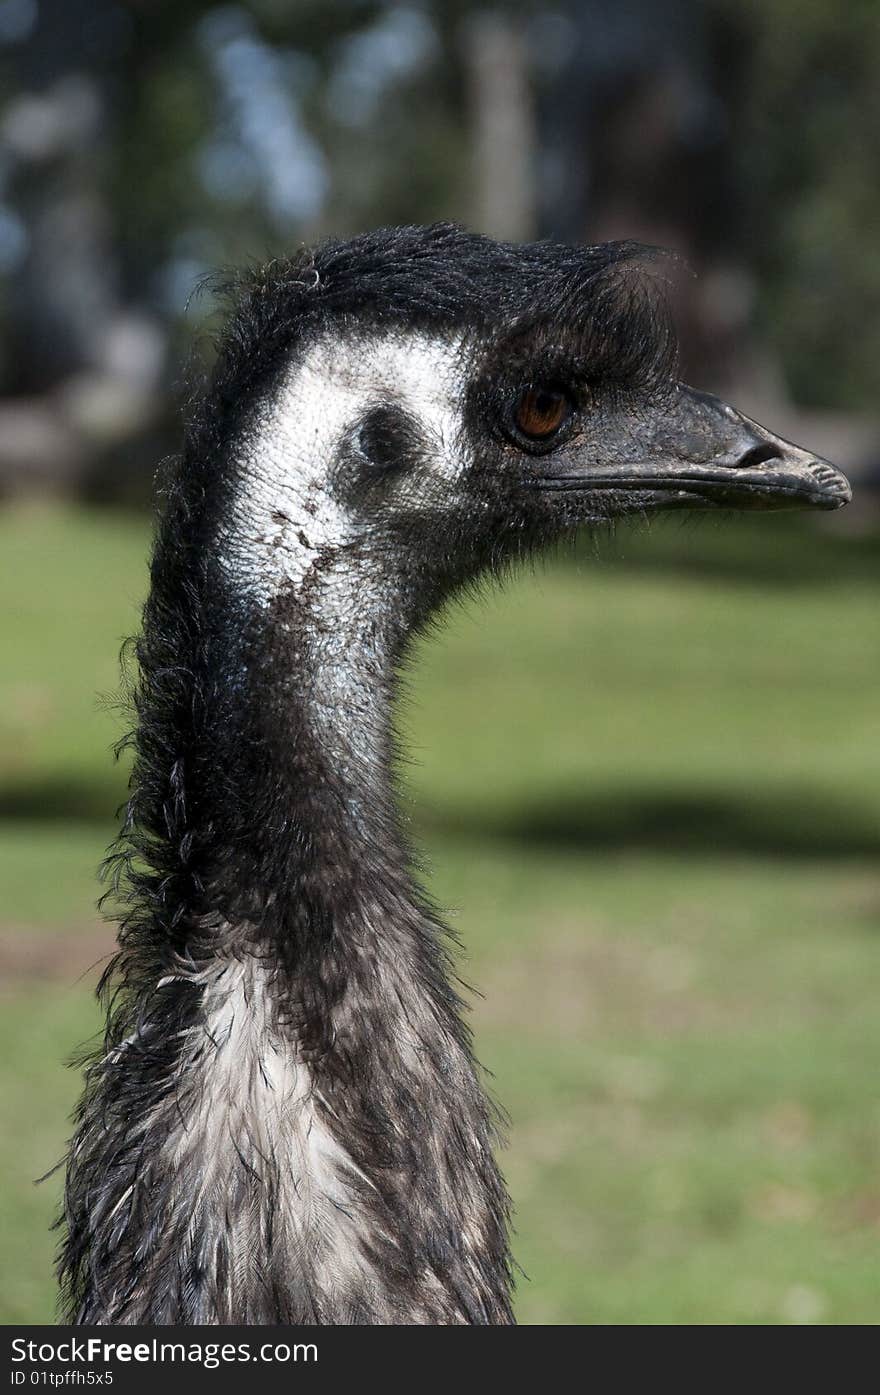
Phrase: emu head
[413,407]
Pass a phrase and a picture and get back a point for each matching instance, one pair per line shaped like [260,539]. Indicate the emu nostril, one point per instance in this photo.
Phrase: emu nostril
[758,455]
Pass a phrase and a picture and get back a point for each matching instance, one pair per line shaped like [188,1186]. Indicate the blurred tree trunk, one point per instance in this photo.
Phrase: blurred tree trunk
[638,146]
[81,365]
[56,130]
[503,126]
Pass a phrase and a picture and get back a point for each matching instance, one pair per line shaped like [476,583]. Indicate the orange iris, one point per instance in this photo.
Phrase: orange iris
[540,412]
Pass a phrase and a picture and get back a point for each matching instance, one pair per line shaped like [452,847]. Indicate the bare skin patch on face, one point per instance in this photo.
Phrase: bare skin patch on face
[287,515]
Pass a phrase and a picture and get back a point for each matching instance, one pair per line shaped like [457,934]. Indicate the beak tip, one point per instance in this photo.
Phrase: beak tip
[835,488]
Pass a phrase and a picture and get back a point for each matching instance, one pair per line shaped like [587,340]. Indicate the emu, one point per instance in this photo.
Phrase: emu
[285,1122]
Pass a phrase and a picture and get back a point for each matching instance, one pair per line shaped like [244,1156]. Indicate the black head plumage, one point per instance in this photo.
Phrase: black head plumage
[442,279]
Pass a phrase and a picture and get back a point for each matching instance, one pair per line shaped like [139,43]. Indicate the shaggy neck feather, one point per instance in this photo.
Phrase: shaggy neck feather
[287,1119]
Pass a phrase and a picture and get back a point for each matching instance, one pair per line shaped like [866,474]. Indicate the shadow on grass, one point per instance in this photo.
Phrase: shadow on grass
[789,824]
[58,801]
[794,822]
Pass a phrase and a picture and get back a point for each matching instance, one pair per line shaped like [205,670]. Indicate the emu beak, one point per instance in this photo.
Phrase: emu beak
[700,453]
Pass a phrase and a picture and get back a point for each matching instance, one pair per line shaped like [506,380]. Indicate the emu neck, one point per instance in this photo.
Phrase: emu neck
[340,681]
[320,686]
[288,1124]
[387,1126]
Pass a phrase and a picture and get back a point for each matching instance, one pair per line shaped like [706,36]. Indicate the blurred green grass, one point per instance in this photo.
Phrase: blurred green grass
[647,783]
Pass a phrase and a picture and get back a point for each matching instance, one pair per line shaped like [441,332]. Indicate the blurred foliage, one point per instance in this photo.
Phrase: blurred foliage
[806,116]
[231,131]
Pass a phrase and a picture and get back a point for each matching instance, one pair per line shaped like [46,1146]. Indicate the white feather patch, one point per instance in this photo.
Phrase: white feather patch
[288,456]
[246,1102]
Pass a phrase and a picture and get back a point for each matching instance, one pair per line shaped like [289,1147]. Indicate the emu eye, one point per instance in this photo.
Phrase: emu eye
[540,412]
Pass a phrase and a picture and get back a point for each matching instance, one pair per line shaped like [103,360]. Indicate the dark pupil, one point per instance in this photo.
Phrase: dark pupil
[540,411]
